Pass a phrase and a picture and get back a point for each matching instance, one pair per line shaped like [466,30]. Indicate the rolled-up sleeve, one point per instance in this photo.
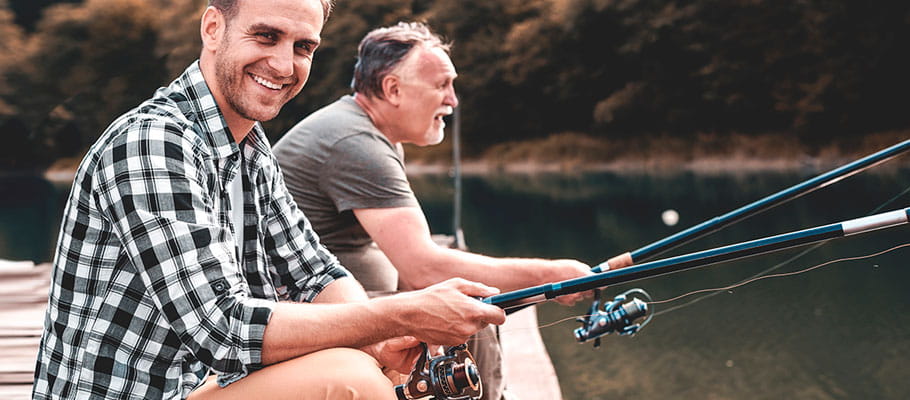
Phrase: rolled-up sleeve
[156,188]
[303,264]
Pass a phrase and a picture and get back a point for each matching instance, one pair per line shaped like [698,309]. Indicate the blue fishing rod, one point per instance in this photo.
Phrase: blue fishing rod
[620,315]
[455,376]
[751,209]
[624,301]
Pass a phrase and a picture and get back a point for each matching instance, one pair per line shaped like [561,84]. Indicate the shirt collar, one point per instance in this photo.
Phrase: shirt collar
[199,106]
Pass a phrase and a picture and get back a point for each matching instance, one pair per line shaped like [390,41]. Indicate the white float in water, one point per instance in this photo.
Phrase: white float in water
[670,217]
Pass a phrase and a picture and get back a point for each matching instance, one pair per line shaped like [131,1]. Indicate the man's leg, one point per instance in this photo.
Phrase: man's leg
[338,373]
[484,346]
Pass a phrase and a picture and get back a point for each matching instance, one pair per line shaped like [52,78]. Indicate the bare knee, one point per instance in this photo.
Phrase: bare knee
[340,373]
[356,375]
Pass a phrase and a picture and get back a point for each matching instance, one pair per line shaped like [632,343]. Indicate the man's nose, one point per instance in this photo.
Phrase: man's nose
[451,98]
[282,60]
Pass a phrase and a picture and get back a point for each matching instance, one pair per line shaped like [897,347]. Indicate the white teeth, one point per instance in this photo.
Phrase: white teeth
[263,82]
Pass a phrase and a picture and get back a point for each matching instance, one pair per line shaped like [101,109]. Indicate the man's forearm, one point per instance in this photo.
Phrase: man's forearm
[296,329]
[447,314]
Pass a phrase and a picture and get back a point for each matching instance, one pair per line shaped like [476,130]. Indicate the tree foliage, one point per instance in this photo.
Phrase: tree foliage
[527,68]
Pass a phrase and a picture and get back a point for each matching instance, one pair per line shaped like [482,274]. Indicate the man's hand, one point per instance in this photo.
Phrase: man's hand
[448,313]
[570,269]
[399,353]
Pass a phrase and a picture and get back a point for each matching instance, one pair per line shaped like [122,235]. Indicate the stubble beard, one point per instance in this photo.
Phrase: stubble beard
[231,88]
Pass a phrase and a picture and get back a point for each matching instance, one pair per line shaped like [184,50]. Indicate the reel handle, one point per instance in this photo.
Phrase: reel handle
[451,376]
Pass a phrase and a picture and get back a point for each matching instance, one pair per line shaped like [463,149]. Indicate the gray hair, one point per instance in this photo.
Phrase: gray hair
[229,8]
[382,50]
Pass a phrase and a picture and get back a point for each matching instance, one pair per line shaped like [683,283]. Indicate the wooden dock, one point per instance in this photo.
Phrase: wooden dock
[528,370]
[23,298]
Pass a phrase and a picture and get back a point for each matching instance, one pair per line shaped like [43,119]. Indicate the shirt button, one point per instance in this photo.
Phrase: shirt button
[219,286]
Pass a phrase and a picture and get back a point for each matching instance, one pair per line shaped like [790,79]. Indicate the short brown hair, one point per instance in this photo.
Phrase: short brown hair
[382,50]
[229,8]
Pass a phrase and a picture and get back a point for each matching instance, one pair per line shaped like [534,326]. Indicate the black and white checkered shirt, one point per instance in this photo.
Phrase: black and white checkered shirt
[147,296]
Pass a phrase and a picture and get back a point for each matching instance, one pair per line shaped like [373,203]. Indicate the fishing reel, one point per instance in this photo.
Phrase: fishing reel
[451,376]
[617,316]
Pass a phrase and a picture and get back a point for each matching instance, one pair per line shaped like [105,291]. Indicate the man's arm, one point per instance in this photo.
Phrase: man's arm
[404,236]
[447,313]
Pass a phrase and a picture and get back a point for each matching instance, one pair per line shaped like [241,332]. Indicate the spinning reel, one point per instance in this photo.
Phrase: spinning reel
[617,316]
[452,376]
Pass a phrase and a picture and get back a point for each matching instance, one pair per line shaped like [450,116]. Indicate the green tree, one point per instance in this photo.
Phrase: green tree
[17,149]
[84,65]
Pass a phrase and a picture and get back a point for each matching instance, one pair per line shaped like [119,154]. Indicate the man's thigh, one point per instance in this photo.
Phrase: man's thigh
[485,348]
[338,373]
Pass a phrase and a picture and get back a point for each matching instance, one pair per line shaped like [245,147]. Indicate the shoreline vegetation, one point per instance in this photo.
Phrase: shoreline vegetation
[572,152]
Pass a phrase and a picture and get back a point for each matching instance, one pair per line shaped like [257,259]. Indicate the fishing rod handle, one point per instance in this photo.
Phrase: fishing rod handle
[621,261]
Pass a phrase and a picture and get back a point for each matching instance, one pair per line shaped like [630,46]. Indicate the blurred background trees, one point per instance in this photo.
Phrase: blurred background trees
[815,69]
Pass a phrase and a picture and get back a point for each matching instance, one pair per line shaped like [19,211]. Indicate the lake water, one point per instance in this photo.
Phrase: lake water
[838,332]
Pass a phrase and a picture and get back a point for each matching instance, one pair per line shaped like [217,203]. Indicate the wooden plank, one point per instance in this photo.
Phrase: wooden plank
[23,300]
[15,392]
[528,371]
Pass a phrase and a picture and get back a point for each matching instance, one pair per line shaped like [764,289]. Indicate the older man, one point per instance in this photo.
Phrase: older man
[180,242]
[343,165]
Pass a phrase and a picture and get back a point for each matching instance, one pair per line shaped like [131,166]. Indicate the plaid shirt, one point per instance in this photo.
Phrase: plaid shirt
[147,296]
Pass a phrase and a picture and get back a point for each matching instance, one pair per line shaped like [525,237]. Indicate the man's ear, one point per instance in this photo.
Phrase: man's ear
[212,28]
[391,89]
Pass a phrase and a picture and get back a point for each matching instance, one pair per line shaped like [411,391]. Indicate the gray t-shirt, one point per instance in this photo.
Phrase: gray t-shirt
[336,161]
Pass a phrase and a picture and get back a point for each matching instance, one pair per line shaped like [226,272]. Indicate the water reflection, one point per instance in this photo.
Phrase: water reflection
[30,212]
[838,332]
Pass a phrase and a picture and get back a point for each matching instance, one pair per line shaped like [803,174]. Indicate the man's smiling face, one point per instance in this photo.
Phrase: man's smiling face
[265,54]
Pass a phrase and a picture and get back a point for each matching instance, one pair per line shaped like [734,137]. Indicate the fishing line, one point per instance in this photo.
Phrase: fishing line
[780,275]
[759,276]
[716,290]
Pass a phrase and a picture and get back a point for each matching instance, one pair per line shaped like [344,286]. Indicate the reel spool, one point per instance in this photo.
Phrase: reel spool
[617,316]
[452,376]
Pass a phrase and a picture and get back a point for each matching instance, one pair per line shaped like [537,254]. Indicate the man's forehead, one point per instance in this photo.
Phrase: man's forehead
[294,17]
[433,59]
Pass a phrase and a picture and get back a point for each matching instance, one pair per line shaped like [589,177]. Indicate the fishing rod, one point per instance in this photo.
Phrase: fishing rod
[454,376]
[783,196]
[739,214]
[619,316]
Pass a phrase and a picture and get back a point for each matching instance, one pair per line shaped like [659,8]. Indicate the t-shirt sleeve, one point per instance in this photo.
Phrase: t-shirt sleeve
[363,171]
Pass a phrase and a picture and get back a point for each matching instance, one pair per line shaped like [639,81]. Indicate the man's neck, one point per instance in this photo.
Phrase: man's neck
[237,125]
[376,111]
[239,128]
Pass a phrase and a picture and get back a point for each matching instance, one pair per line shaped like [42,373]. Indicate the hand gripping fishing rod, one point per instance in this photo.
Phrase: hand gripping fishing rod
[620,315]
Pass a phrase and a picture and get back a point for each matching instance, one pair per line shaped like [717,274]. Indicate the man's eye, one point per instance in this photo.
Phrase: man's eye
[267,36]
[305,48]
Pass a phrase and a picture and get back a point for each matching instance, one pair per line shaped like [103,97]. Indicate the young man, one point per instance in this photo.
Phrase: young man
[179,240]
[344,167]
